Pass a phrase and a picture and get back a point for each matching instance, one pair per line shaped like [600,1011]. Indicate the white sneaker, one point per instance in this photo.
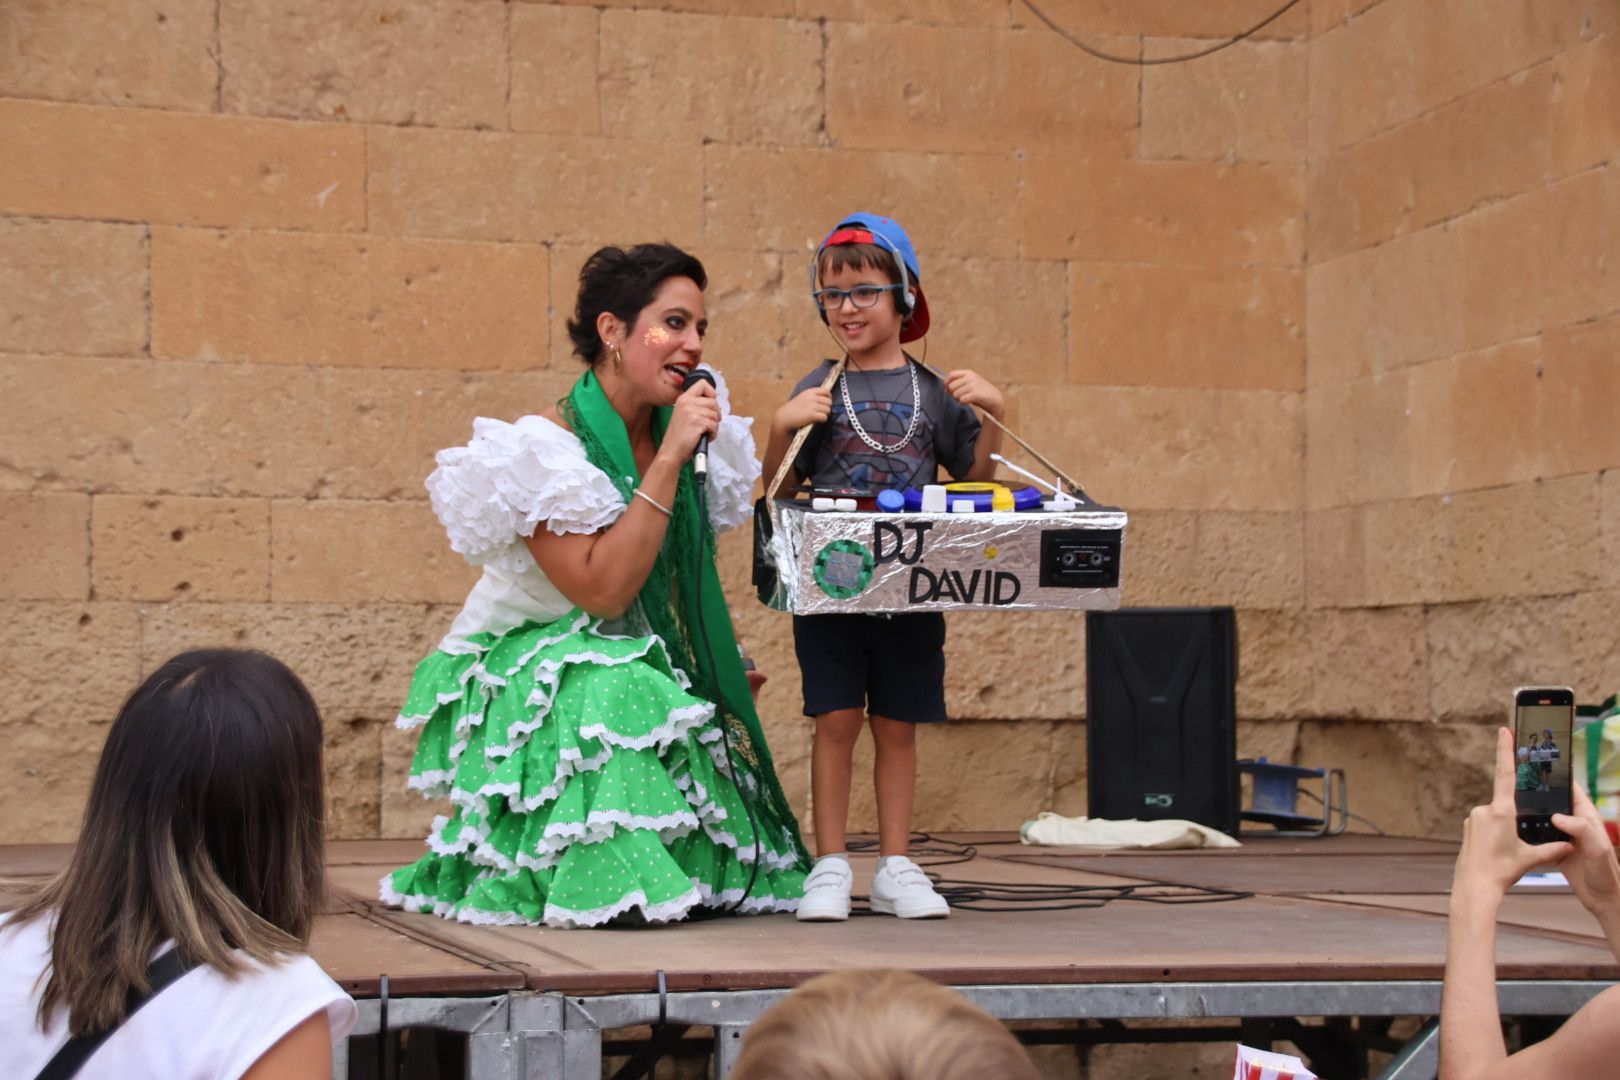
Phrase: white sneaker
[826,891]
[901,888]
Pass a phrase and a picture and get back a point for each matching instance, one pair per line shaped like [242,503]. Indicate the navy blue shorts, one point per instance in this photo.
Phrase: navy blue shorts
[892,667]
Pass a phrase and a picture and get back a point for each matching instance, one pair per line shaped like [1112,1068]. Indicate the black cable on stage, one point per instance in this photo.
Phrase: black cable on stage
[1020,897]
[1138,61]
[969,895]
[1031,896]
[924,845]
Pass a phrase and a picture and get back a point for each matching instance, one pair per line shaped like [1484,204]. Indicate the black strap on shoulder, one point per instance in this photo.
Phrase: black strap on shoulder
[75,1052]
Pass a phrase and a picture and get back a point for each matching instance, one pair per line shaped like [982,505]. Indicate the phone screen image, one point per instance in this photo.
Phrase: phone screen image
[1542,774]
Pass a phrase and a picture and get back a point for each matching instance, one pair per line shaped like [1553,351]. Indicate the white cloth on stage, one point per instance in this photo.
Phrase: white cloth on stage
[1055,829]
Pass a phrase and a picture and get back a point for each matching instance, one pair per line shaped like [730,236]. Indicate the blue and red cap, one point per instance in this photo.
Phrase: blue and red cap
[886,233]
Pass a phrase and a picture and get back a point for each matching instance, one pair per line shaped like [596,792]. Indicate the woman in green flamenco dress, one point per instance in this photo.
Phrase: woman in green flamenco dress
[588,714]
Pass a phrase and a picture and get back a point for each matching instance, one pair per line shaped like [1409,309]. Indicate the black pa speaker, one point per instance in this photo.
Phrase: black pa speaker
[1161,715]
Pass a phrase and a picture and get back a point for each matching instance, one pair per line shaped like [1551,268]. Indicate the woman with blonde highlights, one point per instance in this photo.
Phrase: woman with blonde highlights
[202,839]
[879,1025]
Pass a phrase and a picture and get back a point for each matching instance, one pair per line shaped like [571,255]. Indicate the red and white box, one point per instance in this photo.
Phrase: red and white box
[1255,1064]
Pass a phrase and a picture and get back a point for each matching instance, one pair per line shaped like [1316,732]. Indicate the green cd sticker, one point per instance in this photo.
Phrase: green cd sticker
[844,568]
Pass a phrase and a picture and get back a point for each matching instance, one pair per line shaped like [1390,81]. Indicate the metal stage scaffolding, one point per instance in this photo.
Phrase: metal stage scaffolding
[552,1036]
[1104,944]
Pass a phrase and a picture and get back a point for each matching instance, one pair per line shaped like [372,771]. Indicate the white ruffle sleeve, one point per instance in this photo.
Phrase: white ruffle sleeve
[733,465]
[493,492]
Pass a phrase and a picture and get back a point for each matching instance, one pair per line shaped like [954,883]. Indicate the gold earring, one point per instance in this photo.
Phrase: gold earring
[618,359]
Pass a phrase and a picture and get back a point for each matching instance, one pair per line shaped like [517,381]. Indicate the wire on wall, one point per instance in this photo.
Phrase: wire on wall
[1137,61]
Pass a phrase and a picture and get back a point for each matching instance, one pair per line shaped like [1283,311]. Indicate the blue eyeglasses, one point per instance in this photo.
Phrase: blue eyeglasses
[862,296]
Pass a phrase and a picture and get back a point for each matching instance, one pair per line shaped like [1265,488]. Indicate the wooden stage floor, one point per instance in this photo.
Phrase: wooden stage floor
[1351,908]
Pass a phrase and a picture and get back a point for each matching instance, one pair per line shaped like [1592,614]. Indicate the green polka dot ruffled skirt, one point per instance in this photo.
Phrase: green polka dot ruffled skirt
[587,784]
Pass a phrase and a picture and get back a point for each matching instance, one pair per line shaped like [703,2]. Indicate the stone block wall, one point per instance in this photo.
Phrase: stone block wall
[1324,310]
[1462,278]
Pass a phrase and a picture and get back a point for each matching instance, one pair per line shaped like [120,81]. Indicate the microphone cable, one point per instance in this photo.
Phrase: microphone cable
[725,736]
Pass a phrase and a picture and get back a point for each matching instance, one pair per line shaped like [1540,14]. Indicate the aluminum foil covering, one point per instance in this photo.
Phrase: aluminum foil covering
[830,561]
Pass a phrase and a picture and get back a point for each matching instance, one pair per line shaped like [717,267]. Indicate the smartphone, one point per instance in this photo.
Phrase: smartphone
[1543,726]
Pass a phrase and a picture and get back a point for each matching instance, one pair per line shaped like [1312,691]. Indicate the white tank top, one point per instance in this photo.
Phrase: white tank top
[202,1027]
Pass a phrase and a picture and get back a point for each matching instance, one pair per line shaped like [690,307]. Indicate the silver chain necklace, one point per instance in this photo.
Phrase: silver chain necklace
[911,429]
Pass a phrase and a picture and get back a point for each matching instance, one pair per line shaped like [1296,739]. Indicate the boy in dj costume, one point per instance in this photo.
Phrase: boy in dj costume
[888,422]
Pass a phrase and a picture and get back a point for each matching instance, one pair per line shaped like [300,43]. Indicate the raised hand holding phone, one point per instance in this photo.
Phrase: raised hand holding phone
[1492,858]
[1493,854]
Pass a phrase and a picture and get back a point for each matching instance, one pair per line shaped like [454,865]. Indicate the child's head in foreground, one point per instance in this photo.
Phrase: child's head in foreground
[879,1025]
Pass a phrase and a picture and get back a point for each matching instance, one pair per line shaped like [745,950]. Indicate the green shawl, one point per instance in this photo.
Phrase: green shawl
[683,571]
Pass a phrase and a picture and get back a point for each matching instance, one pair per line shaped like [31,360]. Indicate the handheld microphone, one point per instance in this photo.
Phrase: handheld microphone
[700,455]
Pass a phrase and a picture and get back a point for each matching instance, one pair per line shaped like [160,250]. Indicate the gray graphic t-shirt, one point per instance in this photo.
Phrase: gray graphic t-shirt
[835,457]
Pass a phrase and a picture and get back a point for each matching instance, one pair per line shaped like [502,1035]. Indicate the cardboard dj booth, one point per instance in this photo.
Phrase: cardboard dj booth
[814,562]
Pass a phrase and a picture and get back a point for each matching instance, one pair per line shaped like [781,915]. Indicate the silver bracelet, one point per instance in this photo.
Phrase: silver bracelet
[658,505]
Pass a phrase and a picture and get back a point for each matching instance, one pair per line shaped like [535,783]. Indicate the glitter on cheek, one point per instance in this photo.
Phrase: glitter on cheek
[655,335]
